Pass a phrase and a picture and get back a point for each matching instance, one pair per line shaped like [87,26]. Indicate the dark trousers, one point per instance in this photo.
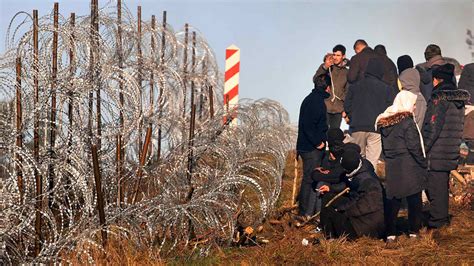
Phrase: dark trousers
[307,196]
[335,224]
[334,120]
[437,191]
[415,206]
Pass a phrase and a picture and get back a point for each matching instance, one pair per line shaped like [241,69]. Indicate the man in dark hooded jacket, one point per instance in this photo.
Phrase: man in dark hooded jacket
[312,128]
[433,60]
[360,213]
[365,100]
[442,132]
[360,61]
[390,69]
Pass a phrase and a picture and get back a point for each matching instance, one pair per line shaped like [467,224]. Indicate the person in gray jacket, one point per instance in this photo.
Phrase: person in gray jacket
[335,66]
[410,81]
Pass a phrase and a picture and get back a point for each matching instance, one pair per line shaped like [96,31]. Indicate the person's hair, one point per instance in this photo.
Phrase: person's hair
[360,42]
[321,82]
[380,49]
[339,48]
[431,51]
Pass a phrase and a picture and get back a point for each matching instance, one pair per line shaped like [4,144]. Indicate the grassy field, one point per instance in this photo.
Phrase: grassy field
[450,245]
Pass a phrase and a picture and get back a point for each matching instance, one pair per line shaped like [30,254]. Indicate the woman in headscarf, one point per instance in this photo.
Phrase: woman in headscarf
[405,163]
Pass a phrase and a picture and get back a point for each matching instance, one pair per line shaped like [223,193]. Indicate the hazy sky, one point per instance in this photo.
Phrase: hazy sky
[283,42]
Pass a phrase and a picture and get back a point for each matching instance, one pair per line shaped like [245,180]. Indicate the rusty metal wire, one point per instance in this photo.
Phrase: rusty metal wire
[235,172]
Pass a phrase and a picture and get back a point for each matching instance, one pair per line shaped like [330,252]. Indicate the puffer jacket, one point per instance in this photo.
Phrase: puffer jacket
[443,126]
[405,164]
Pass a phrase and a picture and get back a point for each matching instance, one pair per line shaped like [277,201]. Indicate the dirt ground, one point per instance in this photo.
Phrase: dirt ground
[450,245]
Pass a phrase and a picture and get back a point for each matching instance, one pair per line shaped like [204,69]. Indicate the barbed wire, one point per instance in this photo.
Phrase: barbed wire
[112,85]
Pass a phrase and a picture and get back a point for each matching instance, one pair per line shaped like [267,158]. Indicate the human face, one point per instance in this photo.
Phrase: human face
[337,56]
[358,48]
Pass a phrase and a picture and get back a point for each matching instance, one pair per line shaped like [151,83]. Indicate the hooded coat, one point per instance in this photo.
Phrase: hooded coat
[364,205]
[410,80]
[466,82]
[359,64]
[367,98]
[405,165]
[443,126]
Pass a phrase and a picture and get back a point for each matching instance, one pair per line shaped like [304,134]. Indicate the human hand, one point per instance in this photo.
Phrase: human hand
[321,146]
[323,189]
[322,170]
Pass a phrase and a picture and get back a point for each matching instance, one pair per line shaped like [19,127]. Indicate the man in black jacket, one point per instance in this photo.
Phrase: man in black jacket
[360,213]
[360,61]
[442,132]
[434,59]
[365,100]
[312,128]
[390,75]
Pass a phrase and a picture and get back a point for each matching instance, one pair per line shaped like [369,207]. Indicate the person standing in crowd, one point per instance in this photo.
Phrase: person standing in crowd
[405,163]
[335,66]
[360,213]
[410,81]
[404,62]
[365,100]
[433,60]
[312,128]
[360,61]
[390,69]
[442,132]
[466,82]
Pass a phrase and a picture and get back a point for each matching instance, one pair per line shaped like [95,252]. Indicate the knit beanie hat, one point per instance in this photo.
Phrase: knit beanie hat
[404,62]
[351,146]
[444,72]
[350,160]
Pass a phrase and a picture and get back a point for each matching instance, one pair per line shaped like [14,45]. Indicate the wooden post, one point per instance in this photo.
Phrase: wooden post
[120,151]
[185,66]
[211,102]
[142,163]
[139,76]
[100,196]
[97,75]
[52,121]
[70,94]
[152,77]
[38,177]
[293,194]
[91,70]
[192,124]
[162,59]
[19,134]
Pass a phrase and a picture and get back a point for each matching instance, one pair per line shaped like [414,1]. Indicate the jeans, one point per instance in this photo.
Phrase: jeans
[370,144]
[307,196]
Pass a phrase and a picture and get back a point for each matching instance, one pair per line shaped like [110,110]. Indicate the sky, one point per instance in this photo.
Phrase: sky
[283,42]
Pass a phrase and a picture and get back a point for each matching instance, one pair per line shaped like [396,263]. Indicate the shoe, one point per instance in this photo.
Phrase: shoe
[414,236]
[316,230]
[391,242]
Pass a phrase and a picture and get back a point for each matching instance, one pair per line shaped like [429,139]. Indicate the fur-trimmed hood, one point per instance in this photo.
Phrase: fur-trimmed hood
[393,119]
[450,95]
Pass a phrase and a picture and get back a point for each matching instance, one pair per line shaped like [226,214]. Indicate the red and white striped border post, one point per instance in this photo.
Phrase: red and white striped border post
[231,80]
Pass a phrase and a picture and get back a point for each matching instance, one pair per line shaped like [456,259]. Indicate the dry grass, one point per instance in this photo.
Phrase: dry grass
[451,245]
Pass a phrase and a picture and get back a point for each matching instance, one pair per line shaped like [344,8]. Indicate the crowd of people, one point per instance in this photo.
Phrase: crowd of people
[411,117]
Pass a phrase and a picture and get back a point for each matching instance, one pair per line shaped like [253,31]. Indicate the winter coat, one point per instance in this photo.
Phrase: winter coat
[312,124]
[410,80]
[390,73]
[364,204]
[469,126]
[339,79]
[443,126]
[336,172]
[367,98]
[426,74]
[466,82]
[405,165]
[359,63]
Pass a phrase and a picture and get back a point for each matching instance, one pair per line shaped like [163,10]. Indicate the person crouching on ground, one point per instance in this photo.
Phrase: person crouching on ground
[312,128]
[360,213]
[330,171]
[405,163]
